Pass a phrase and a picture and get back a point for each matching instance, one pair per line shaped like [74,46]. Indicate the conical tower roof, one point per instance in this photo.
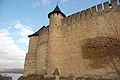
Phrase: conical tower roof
[56,10]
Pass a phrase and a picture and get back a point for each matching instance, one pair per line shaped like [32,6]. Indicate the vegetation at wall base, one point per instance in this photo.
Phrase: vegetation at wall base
[32,77]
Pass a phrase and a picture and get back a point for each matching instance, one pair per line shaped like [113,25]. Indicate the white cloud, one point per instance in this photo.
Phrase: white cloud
[8,45]
[23,29]
[23,32]
[4,32]
[44,2]
[10,51]
[35,4]
[24,40]
[64,0]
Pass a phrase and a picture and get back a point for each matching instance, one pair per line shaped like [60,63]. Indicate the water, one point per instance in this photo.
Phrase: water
[13,75]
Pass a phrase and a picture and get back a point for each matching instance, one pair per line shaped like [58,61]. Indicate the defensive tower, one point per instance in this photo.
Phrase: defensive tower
[55,38]
[84,44]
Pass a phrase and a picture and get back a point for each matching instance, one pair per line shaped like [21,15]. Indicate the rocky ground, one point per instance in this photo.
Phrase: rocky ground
[42,77]
[5,78]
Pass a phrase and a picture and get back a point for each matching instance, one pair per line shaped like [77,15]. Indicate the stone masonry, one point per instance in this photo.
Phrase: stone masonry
[86,43]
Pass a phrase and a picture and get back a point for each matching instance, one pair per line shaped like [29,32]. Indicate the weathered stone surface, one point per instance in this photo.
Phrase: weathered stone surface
[85,43]
[101,51]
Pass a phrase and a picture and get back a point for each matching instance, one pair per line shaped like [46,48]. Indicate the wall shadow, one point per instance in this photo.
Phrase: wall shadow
[101,51]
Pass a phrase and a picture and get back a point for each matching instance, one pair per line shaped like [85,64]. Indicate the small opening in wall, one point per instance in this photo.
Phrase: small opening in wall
[110,5]
[55,24]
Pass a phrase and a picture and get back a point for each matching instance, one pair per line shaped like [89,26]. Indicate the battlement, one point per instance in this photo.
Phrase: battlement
[77,45]
[90,12]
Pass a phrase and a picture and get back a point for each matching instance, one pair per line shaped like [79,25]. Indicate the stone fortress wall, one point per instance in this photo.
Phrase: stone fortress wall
[35,62]
[31,57]
[42,51]
[89,26]
[78,45]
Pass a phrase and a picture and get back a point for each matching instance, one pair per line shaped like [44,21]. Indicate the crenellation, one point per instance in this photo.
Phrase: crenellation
[114,3]
[59,15]
[94,11]
[83,15]
[71,19]
[100,9]
[75,45]
[106,6]
[52,15]
[88,12]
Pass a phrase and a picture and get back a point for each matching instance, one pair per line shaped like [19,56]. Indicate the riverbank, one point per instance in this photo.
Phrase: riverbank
[14,76]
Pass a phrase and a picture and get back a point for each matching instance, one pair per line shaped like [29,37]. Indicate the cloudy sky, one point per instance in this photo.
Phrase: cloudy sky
[19,18]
